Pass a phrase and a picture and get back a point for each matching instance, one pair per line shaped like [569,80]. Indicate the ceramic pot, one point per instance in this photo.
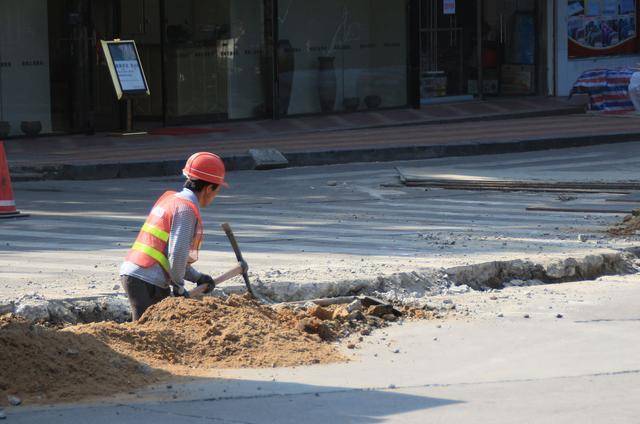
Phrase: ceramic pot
[31,128]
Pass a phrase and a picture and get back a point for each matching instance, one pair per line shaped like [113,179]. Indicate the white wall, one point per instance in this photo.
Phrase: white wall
[570,69]
[24,43]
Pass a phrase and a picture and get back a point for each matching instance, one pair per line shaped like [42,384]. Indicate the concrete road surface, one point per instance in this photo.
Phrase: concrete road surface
[573,360]
[318,224]
[581,368]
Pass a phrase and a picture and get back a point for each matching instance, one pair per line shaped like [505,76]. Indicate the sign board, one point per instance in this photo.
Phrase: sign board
[449,7]
[602,27]
[125,68]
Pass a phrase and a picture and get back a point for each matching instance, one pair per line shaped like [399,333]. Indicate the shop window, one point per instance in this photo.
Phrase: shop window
[24,67]
[214,59]
[341,55]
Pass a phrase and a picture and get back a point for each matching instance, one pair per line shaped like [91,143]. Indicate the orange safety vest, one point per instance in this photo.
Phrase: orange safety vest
[150,247]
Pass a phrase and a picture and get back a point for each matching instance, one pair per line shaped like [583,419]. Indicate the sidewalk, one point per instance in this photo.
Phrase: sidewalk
[498,126]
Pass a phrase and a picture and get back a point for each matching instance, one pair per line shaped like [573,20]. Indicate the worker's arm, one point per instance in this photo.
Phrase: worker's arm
[180,239]
[192,274]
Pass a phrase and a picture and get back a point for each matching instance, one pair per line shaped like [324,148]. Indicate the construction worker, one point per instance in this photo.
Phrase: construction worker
[168,243]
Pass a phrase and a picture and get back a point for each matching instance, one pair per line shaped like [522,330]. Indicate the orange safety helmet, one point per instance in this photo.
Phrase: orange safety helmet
[207,167]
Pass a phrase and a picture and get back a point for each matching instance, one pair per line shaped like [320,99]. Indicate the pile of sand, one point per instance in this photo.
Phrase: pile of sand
[629,225]
[47,365]
[213,333]
[175,336]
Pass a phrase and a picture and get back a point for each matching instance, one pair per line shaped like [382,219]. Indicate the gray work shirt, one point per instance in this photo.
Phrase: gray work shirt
[183,229]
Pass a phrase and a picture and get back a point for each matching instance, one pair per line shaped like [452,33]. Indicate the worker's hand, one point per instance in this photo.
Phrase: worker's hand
[244,265]
[207,280]
[180,291]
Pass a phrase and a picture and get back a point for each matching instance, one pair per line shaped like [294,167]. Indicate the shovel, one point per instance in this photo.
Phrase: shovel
[241,269]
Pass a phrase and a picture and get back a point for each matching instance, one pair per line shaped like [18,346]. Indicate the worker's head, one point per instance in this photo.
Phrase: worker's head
[204,190]
[205,174]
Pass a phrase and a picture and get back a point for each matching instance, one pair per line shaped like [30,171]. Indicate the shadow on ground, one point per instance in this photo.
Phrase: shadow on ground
[255,402]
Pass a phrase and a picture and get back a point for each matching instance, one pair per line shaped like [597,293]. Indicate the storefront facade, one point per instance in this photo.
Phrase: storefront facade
[217,60]
[482,48]
[205,60]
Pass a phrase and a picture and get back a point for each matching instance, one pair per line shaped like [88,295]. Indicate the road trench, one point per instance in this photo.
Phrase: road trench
[406,289]
[306,318]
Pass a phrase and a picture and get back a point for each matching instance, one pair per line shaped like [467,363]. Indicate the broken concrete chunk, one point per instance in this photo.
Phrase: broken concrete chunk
[380,310]
[33,308]
[463,288]
[320,312]
[268,159]
[341,312]
[315,326]
[356,316]
[14,400]
[356,305]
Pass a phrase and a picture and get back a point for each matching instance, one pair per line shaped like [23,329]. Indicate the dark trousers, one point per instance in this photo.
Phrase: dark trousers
[142,294]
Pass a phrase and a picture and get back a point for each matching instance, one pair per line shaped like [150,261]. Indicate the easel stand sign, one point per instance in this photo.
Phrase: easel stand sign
[127,75]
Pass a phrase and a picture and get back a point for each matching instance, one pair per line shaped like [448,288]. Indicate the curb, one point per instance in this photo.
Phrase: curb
[101,171]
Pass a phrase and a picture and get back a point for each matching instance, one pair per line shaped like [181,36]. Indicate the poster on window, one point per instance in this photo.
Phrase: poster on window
[601,27]
[449,7]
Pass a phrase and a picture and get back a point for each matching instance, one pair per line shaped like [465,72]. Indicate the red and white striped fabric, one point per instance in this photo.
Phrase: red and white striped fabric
[608,89]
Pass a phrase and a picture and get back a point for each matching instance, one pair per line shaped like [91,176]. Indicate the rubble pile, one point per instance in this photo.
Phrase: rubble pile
[360,316]
[235,332]
[413,289]
[179,336]
[334,321]
[45,365]
[629,226]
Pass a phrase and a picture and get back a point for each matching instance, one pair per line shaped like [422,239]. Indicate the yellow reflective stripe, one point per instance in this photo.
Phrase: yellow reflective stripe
[155,231]
[155,254]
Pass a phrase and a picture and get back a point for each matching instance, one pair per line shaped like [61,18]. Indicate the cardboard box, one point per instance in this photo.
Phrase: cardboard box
[517,79]
[433,84]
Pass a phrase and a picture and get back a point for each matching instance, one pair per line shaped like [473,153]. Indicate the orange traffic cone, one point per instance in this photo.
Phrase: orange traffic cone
[7,202]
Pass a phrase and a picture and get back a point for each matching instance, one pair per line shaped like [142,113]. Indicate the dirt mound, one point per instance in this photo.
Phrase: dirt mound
[233,333]
[629,225]
[47,365]
[176,336]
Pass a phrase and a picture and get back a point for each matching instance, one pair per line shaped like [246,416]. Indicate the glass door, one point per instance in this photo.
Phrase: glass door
[140,20]
[447,64]
[510,47]
[215,60]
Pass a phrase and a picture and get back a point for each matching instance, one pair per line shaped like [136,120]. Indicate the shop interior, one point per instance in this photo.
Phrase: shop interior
[480,48]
